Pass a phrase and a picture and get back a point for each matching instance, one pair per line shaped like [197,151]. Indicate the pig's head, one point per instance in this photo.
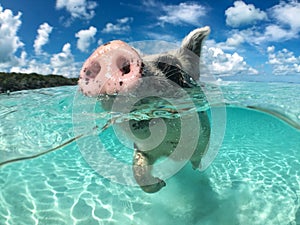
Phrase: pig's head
[116,67]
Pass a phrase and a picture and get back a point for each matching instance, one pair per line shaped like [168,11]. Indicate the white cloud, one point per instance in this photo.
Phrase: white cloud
[85,38]
[33,66]
[287,13]
[184,13]
[63,63]
[277,33]
[219,63]
[149,4]
[283,62]
[283,25]
[125,20]
[9,41]
[232,43]
[256,36]
[122,26]
[163,37]
[271,49]
[64,58]
[100,42]
[242,14]
[81,9]
[42,38]
[235,40]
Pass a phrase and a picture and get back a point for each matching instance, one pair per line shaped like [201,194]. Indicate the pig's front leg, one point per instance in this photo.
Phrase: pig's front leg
[142,167]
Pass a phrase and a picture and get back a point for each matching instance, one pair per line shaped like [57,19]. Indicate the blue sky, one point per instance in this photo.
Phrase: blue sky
[249,40]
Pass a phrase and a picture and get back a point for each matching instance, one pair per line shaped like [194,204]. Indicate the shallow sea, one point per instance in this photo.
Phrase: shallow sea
[254,179]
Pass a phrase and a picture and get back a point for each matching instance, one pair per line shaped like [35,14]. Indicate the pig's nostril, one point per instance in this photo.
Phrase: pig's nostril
[88,73]
[125,69]
[123,65]
[93,69]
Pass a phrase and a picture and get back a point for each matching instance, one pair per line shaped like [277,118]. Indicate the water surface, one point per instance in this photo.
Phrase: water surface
[254,179]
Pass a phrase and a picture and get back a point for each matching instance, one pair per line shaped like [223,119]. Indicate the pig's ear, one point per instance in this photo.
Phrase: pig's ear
[190,51]
[193,41]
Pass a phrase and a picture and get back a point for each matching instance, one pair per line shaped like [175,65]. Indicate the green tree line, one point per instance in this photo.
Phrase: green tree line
[23,81]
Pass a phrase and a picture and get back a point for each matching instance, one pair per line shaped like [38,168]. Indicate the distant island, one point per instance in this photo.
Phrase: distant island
[21,81]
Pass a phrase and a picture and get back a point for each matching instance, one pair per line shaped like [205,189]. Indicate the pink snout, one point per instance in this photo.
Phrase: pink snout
[113,68]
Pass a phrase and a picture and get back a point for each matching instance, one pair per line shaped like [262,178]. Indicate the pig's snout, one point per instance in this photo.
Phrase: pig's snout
[114,67]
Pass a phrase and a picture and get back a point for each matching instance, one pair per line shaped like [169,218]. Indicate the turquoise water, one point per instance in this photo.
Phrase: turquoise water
[255,178]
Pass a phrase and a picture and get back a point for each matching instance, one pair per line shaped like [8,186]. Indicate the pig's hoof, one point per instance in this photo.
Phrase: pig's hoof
[152,188]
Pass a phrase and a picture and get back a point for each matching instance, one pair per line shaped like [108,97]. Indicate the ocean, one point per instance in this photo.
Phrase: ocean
[251,177]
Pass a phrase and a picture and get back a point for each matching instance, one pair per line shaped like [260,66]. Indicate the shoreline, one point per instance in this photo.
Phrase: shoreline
[10,82]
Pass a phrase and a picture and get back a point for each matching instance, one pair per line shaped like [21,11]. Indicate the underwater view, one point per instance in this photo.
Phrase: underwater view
[254,178]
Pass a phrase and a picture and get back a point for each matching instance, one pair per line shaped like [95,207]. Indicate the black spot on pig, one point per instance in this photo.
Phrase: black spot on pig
[142,68]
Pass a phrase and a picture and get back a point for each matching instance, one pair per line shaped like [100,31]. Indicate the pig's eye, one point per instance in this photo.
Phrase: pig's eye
[171,68]
[165,67]
[168,63]
[123,65]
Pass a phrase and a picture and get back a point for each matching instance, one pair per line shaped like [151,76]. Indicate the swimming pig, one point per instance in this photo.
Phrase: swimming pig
[117,69]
